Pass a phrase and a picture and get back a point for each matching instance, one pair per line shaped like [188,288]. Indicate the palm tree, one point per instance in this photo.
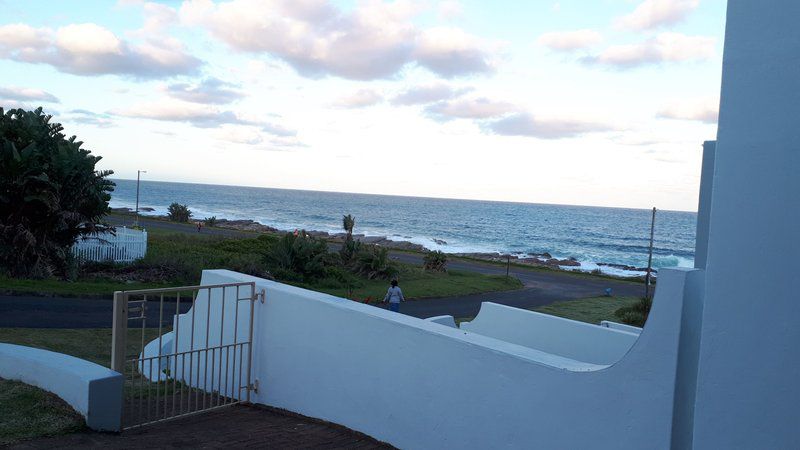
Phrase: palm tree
[349,222]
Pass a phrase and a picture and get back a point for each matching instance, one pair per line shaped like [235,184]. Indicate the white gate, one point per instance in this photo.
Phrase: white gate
[175,352]
[123,245]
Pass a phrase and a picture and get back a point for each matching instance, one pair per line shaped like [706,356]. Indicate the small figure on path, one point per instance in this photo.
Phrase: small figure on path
[199,226]
[394,296]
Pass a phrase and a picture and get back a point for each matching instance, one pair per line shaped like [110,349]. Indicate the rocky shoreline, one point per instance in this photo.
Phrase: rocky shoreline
[536,260]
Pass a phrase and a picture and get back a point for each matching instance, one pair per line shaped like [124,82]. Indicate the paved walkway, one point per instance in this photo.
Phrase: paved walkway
[234,427]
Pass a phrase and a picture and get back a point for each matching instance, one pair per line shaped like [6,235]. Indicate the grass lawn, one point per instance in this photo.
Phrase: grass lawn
[27,412]
[592,310]
[177,259]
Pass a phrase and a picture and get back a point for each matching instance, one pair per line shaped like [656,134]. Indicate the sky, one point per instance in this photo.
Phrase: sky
[583,102]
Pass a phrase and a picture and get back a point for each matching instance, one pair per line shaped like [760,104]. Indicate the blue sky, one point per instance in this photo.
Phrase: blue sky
[602,102]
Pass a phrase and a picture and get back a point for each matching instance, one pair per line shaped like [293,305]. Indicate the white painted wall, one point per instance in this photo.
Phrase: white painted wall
[569,338]
[748,388]
[92,390]
[620,326]
[418,384]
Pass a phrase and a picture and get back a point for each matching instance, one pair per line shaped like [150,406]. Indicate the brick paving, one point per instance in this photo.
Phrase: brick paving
[233,427]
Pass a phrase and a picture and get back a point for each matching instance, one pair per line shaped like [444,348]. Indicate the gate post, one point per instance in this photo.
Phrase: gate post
[119,332]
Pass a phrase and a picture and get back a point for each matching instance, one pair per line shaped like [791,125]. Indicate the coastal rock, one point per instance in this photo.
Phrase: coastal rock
[245,225]
[440,241]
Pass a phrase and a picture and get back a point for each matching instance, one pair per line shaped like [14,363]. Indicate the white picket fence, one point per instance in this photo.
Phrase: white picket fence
[126,246]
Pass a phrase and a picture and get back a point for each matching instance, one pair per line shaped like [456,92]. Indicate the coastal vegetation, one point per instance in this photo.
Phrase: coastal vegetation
[175,259]
[178,213]
[435,261]
[50,195]
[635,314]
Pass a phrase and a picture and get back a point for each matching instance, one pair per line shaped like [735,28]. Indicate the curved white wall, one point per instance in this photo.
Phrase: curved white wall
[92,390]
[569,338]
[418,384]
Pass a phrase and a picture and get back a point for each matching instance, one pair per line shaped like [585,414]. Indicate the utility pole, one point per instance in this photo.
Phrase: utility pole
[650,257]
[138,177]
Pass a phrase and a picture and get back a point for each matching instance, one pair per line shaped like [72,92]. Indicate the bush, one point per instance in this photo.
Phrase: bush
[210,221]
[178,213]
[50,194]
[373,263]
[435,261]
[635,315]
[302,254]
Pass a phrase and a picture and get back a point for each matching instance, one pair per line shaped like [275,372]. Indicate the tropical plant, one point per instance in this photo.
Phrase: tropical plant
[50,194]
[373,262]
[435,261]
[350,247]
[210,221]
[178,213]
[302,254]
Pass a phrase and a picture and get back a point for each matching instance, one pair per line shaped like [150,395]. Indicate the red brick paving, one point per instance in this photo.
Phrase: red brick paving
[234,427]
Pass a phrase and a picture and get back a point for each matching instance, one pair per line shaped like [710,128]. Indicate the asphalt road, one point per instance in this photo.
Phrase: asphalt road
[540,288]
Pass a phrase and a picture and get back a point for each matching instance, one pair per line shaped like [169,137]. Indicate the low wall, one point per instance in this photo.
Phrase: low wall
[576,340]
[92,390]
[418,384]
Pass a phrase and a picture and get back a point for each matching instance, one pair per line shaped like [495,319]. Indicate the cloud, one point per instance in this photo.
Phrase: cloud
[200,116]
[421,95]
[89,49]
[666,47]
[652,14]
[450,52]
[470,108]
[359,99]
[529,125]
[567,41]
[210,91]
[86,117]
[239,135]
[702,110]
[27,94]
[374,40]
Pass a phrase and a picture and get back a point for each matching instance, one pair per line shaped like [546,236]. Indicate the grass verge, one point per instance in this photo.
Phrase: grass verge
[592,310]
[27,412]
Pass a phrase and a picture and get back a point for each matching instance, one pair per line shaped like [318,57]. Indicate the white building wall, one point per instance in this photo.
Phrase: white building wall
[418,384]
[748,390]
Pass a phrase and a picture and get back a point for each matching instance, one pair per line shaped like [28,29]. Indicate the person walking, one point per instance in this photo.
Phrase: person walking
[394,296]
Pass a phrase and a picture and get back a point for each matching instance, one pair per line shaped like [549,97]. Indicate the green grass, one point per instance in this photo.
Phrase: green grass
[592,310]
[176,259]
[27,412]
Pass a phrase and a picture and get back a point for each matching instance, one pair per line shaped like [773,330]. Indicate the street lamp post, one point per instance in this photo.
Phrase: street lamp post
[138,176]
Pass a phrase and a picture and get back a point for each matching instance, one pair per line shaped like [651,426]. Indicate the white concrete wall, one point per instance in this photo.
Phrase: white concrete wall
[748,388]
[620,326]
[418,384]
[569,338]
[92,390]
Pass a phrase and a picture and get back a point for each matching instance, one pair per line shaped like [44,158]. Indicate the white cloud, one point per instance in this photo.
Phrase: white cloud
[238,135]
[529,125]
[420,95]
[85,117]
[704,110]
[89,49]
[359,99]
[374,40]
[652,14]
[27,94]
[570,40]
[201,116]
[666,47]
[210,91]
[470,108]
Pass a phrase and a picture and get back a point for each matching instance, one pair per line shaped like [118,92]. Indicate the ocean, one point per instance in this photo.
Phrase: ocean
[591,235]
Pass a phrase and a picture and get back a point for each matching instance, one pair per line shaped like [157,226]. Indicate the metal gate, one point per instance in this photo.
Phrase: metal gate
[183,350]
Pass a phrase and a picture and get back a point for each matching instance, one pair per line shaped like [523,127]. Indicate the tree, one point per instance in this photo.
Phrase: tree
[435,261]
[50,194]
[178,213]
[350,247]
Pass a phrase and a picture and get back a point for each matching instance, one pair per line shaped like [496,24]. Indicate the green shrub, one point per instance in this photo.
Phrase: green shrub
[637,314]
[50,194]
[373,263]
[305,255]
[435,261]
[210,221]
[178,213]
